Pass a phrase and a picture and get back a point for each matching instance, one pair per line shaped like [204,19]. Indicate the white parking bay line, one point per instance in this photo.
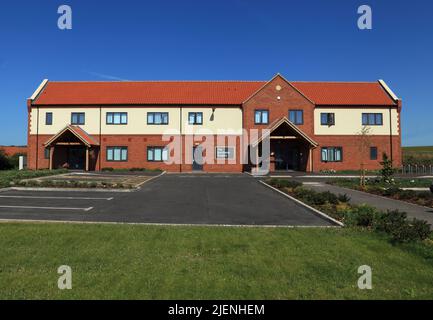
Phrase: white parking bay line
[46,197]
[46,208]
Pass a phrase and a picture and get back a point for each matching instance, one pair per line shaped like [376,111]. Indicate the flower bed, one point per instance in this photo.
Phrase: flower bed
[392,189]
[394,223]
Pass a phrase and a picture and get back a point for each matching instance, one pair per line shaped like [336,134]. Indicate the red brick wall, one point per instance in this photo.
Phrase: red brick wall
[290,98]
[137,153]
[352,156]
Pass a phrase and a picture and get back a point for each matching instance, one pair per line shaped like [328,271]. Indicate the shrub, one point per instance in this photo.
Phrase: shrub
[107,169]
[390,220]
[362,216]
[424,195]
[390,192]
[421,229]
[316,198]
[4,161]
[387,171]
[395,223]
[406,194]
[343,198]
[415,230]
[284,183]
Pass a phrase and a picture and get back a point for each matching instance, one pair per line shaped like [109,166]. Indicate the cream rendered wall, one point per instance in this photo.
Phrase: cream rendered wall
[225,121]
[137,121]
[348,121]
[229,119]
[62,117]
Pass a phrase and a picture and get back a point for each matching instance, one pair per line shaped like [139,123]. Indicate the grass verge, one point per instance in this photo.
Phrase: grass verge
[157,262]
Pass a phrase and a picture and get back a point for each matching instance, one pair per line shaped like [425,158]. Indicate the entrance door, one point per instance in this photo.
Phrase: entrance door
[293,159]
[281,155]
[286,157]
[197,158]
[76,158]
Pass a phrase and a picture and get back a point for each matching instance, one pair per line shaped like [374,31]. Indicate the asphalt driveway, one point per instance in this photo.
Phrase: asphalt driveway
[232,199]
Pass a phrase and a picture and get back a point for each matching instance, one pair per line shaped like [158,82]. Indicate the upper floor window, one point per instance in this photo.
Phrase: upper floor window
[157,154]
[261,117]
[49,118]
[373,153]
[117,118]
[332,154]
[77,118]
[372,119]
[117,153]
[157,118]
[327,119]
[296,116]
[195,117]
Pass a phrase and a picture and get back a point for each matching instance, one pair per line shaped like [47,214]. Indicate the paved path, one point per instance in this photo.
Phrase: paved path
[382,203]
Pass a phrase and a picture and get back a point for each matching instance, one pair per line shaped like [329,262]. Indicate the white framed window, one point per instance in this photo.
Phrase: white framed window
[332,154]
[117,153]
[157,118]
[117,118]
[157,154]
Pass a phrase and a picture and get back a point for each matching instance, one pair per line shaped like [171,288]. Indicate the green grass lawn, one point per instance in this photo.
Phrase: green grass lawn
[162,262]
[8,176]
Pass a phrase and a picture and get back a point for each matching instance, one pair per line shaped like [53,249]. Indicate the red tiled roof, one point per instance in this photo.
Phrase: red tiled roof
[344,93]
[155,92]
[203,93]
[84,135]
[78,132]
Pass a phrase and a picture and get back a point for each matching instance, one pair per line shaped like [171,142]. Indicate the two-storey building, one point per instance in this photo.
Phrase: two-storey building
[212,125]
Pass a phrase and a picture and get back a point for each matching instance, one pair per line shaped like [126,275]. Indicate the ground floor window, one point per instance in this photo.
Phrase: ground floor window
[225,153]
[332,154]
[373,153]
[47,153]
[157,154]
[117,153]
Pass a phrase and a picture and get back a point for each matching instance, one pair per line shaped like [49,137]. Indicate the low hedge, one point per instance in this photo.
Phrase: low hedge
[73,184]
[394,223]
[110,169]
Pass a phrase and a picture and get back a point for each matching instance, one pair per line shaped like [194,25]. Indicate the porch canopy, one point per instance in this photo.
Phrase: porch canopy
[289,145]
[71,136]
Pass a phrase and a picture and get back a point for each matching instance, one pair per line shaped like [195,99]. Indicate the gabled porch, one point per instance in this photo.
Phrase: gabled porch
[72,148]
[290,147]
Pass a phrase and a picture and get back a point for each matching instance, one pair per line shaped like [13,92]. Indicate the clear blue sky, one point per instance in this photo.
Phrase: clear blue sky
[217,40]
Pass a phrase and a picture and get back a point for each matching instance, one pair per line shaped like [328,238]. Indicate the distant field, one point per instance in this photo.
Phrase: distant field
[418,155]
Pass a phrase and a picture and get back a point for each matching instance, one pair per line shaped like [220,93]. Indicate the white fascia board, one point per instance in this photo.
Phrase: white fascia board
[39,89]
[388,89]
